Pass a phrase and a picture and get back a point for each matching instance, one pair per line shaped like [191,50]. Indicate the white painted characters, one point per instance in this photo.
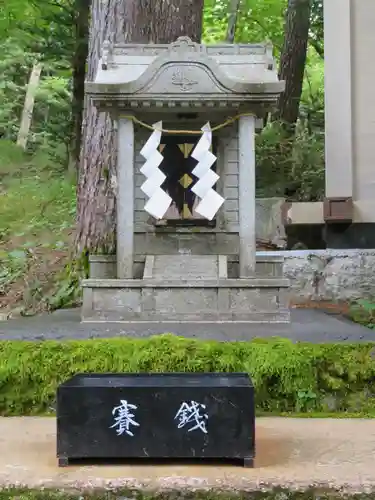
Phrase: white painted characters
[192,414]
[124,418]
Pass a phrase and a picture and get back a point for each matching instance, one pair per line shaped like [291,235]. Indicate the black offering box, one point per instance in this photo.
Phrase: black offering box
[156,416]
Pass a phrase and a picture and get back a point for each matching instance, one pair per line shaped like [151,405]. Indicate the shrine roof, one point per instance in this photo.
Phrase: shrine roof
[186,70]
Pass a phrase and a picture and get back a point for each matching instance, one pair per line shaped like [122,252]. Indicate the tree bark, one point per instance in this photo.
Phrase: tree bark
[137,21]
[81,13]
[293,60]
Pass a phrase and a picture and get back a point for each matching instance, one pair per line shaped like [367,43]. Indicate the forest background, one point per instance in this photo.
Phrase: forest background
[55,150]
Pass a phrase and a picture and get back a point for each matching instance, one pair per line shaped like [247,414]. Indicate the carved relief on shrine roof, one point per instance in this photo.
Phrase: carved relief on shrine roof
[184,78]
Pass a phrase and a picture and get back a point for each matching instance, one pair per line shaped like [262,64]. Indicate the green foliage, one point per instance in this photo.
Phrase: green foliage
[27,205]
[288,377]
[37,207]
[51,116]
[282,162]
[59,289]
[30,31]
[67,291]
[13,267]
[36,200]
[45,27]
[15,16]
[12,161]
[363,312]
[312,99]
[317,27]
[258,21]
[285,161]
[45,30]
[15,66]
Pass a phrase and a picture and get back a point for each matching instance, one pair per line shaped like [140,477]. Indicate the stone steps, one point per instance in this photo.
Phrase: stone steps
[185,267]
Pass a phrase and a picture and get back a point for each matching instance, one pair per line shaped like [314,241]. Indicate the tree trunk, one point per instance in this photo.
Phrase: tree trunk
[27,113]
[137,21]
[293,60]
[234,8]
[81,27]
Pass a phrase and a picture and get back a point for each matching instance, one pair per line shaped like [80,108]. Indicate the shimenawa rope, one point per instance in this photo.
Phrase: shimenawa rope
[185,132]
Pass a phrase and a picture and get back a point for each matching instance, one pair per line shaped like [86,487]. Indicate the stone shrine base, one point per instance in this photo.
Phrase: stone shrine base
[255,300]
[188,288]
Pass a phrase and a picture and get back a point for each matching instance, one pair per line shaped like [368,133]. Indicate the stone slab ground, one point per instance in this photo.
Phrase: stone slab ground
[306,325]
[291,453]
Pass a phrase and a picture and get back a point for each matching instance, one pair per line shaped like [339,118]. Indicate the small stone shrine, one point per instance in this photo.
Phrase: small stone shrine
[186,118]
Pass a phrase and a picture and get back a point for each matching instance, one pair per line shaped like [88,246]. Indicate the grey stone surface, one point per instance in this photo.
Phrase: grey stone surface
[104,266]
[305,326]
[246,196]
[348,275]
[148,270]
[186,267]
[327,274]
[257,282]
[222,263]
[266,266]
[269,221]
[330,274]
[125,199]
[243,300]
[324,274]
[165,241]
[185,302]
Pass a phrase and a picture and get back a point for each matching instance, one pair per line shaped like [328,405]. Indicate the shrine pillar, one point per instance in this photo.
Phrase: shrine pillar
[246,196]
[338,69]
[125,199]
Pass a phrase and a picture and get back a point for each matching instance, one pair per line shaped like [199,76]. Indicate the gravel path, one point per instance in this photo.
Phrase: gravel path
[292,453]
[306,325]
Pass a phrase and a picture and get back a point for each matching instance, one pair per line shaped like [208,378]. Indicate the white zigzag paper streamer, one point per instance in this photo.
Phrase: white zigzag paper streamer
[211,201]
[159,201]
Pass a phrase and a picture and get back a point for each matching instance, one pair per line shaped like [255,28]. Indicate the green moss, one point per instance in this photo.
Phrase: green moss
[363,312]
[289,377]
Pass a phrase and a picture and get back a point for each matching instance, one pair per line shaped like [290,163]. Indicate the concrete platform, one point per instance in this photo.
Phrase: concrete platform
[292,453]
[306,326]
